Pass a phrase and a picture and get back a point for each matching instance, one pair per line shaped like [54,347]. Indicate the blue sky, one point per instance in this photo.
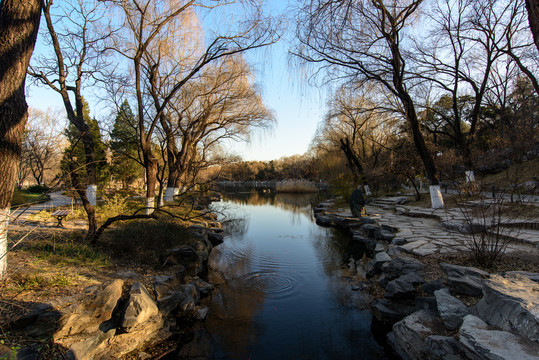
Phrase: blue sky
[298,107]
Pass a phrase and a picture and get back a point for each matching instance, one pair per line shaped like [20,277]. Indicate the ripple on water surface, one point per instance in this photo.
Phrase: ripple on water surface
[276,284]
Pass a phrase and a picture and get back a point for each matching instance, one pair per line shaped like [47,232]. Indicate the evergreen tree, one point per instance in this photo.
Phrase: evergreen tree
[124,146]
[75,151]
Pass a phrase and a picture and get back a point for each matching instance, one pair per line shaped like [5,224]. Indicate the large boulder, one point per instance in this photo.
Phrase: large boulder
[383,235]
[91,346]
[370,229]
[140,323]
[215,238]
[402,265]
[376,265]
[185,256]
[386,313]
[164,285]
[465,280]
[89,316]
[408,337]
[185,298]
[324,220]
[140,308]
[367,245]
[512,304]
[403,286]
[481,343]
[457,270]
[451,309]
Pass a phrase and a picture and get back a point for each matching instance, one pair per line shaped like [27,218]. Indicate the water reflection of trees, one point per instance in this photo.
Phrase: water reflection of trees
[235,222]
[233,309]
[334,249]
[235,303]
[295,203]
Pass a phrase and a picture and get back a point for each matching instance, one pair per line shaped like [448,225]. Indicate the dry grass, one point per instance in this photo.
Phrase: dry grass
[296,186]
[515,261]
[520,172]
[55,263]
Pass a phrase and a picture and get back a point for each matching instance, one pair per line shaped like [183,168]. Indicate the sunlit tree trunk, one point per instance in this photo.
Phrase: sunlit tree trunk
[19,24]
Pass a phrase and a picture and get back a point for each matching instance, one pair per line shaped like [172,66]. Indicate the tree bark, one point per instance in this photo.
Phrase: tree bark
[533,18]
[352,158]
[19,24]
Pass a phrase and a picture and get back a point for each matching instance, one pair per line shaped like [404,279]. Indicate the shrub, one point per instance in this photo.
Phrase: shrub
[38,189]
[113,205]
[490,225]
[146,242]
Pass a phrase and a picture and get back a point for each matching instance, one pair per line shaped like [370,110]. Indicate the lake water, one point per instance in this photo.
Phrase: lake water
[283,293]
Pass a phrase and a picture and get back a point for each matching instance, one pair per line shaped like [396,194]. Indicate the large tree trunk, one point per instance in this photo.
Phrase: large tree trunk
[80,188]
[353,160]
[19,24]
[436,198]
[150,164]
[533,18]
[410,112]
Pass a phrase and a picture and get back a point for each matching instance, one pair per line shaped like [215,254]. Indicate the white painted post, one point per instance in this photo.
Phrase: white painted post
[470,177]
[436,197]
[4,223]
[150,204]
[170,192]
[91,194]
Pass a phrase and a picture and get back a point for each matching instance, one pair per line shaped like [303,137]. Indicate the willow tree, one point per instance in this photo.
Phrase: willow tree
[358,127]
[223,103]
[362,41]
[19,24]
[144,22]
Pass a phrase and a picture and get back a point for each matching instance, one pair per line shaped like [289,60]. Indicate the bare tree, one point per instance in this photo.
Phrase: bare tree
[221,104]
[469,56]
[42,143]
[19,24]
[519,44]
[358,127]
[363,42]
[144,23]
[75,62]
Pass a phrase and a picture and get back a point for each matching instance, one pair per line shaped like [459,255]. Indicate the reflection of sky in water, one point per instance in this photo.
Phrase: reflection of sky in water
[284,297]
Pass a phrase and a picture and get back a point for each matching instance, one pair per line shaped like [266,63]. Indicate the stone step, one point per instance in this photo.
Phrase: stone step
[521,235]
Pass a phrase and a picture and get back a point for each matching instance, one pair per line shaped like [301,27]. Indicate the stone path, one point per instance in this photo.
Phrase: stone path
[422,229]
[56,199]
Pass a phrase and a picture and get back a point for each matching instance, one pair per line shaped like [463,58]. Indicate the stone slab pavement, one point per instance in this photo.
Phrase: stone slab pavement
[424,235]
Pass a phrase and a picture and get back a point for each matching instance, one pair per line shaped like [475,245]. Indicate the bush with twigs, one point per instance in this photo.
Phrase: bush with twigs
[490,225]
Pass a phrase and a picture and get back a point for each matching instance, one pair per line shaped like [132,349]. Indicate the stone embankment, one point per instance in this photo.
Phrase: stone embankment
[427,319]
[128,314]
